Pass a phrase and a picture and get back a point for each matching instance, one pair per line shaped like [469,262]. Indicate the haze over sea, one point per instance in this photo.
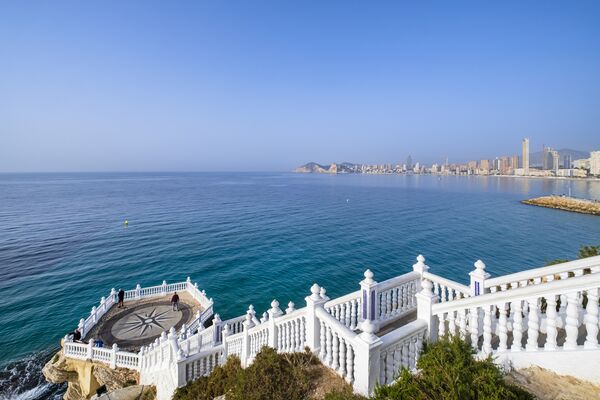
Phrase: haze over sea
[248,238]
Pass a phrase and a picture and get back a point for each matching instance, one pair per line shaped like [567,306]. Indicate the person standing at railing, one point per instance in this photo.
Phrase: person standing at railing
[175,302]
[76,335]
[121,297]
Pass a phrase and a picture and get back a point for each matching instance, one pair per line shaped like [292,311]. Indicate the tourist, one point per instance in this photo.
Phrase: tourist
[98,343]
[77,335]
[175,302]
[121,297]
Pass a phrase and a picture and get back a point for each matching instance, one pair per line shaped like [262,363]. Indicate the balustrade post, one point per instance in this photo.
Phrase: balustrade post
[81,328]
[224,339]
[591,320]
[313,325]
[217,330]
[164,287]
[425,299]
[502,327]
[172,337]
[367,352]
[474,327]
[517,316]
[102,305]
[94,315]
[90,350]
[246,341]
[551,331]
[113,356]
[420,267]
[274,312]
[138,291]
[478,277]
[370,303]
[290,308]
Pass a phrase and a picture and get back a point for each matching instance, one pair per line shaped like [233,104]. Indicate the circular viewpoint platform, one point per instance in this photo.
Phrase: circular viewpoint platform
[141,322]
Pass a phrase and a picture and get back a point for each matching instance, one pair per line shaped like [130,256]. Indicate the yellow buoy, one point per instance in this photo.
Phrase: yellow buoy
[126,222]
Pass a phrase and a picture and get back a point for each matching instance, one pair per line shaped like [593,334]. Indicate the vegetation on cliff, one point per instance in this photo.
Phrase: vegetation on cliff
[447,370]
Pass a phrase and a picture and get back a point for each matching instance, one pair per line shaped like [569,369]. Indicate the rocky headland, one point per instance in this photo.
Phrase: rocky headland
[566,203]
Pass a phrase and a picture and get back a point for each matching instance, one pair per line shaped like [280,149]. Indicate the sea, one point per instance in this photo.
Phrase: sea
[248,238]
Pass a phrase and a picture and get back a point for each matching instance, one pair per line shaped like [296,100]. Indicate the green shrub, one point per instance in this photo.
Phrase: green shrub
[346,394]
[271,376]
[448,371]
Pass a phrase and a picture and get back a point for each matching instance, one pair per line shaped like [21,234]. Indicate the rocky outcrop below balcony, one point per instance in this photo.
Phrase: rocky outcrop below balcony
[566,203]
[85,377]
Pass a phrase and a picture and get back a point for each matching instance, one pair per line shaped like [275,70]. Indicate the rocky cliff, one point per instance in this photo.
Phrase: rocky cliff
[85,377]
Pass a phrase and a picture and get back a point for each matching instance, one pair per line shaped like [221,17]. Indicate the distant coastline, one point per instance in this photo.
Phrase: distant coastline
[388,169]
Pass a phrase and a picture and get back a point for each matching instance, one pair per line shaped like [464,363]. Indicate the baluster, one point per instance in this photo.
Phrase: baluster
[382,365]
[348,320]
[551,330]
[350,364]
[342,368]
[502,328]
[405,355]
[298,346]
[591,320]
[436,290]
[389,366]
[335,350]
[395,307]
[353,307]
[329,337]
[451,323]
[572,321]
[487,330]
[462,323]
[474,327]
[419,347]
[443,293]
[441,324]
[322,342]
[405,295]
[517,316]
[388,303]
[412,342]
[533,325]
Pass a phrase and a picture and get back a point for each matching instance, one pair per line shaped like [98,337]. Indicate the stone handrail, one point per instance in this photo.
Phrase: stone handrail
[400,348]
[544,274]
[199,341]
[291,331]
[446,289]
[235,325]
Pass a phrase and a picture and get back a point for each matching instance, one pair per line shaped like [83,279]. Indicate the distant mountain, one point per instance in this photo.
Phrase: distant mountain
[536,157]
[313,167]
[333,168]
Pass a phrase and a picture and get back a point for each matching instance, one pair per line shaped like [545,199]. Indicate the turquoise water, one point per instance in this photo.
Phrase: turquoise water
[247,238]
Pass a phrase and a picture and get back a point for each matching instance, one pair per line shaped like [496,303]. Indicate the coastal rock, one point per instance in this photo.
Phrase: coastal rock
[85,377]
[566,203]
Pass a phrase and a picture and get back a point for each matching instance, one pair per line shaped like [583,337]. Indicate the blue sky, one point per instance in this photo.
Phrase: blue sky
[259,85]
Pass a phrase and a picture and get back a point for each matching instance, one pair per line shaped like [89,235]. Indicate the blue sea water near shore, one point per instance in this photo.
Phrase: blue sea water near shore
[247,238]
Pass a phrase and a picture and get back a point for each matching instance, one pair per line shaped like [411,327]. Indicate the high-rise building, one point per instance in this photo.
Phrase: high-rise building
[567,161]
[525,156]
[514,162]
[595,163]
[409,164]
[484,165]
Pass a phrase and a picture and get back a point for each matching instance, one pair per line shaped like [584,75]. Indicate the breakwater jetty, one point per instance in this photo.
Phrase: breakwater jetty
[566,203]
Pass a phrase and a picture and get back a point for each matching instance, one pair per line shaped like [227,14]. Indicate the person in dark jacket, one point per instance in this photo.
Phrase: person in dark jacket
[77,335]
[175,302]
[121,297]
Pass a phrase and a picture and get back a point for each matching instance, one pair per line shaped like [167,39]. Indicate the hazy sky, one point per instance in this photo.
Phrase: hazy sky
[256,85]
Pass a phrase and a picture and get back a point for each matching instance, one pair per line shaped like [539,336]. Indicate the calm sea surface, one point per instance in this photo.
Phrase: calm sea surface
[248,238]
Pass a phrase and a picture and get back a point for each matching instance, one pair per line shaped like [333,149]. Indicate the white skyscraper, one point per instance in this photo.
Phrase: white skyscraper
[525,156]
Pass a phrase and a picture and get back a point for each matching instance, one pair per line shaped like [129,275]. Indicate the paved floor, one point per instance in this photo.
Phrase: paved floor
[141,322]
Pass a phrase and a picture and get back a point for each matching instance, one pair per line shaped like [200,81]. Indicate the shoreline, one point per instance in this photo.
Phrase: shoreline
[582,206]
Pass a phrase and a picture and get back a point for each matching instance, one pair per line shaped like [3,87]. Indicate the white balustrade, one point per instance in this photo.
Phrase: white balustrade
[400,348]
[337,348]
[346,309]
[396,297]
